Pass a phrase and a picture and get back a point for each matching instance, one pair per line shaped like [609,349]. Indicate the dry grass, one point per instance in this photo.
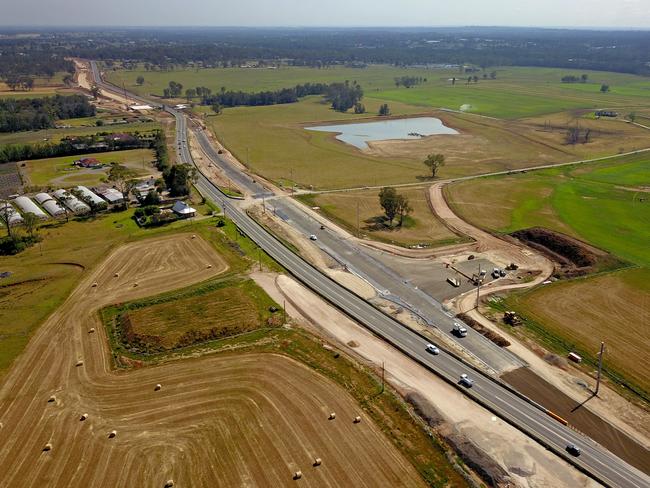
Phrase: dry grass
[421,227]
[613,308]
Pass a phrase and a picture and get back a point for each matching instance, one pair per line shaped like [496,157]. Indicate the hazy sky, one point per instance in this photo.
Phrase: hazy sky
[574,13]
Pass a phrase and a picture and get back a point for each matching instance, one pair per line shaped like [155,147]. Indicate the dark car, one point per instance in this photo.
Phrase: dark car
[573,450]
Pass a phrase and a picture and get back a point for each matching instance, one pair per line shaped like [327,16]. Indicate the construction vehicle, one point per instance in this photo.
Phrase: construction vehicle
[511,318]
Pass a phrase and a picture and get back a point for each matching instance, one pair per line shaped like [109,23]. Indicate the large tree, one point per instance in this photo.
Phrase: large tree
[123,179]
[179,179]
[433,162]
[140,80]
[388,200]
[31,222]
[403,208]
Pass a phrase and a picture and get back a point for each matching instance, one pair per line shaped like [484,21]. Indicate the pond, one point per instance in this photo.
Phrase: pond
[411,128]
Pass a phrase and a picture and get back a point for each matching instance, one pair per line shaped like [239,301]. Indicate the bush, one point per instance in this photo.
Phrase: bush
[14,245]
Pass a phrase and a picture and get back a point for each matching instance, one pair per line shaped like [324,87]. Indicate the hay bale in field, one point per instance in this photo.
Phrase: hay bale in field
[209,266]
[83,417]
[47,447]
[116,275]
[297,475]
[112,434]
[169,484]
[94,284]
[317,462]
[193,236]
[157,387]
[79,363]
[135,284]
[332,416]
[52,399]
[91,330]
[357,419]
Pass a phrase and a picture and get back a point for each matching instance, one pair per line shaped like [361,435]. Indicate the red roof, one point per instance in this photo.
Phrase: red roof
[89,161]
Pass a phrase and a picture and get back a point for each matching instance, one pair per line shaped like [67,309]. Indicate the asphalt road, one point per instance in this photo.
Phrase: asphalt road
[520,412]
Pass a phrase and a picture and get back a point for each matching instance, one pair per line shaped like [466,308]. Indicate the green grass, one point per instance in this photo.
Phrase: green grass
[584,201]
[60,172]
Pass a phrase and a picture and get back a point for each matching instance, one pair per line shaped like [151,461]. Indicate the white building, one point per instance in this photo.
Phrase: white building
[27,206]
[50,205]
[72,202]
[9,214]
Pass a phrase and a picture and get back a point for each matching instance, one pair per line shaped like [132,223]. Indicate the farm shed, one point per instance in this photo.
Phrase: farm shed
[27,206]
[97,200]
[112,196]
[50,205]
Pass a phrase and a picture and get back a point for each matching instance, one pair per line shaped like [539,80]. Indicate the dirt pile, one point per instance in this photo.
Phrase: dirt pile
[571,256]
[498,339]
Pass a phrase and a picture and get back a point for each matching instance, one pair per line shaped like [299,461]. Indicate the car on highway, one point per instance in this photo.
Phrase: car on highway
[313,237]
[433,349]
[573,450]
[459,330]
[466,380]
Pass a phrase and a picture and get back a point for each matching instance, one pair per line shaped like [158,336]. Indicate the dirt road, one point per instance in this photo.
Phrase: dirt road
[220,420]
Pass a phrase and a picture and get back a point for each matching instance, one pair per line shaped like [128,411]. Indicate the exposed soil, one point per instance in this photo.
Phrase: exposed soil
[572,256]
[579,416]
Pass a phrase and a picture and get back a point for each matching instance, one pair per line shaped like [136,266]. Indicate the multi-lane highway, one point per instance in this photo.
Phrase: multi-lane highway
[514,408]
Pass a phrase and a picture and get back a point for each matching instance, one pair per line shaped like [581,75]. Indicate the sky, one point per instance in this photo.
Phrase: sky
[339,13]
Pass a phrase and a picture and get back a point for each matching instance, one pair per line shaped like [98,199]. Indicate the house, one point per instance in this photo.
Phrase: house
[183,210]
[90,163]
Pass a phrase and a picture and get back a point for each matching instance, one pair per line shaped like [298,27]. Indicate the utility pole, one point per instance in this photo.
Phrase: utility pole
[600,366]
[478,284]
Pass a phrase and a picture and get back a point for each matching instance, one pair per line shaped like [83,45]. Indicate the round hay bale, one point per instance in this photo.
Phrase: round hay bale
[91,330]
[47,447]
[357,419]
[297,475]
[169,484]
[116,275]
[52,399]
[112,434]
[79,363]
[157,387]
[209,266]
[317,462]
[94,284]
[135,284]
[332,416]
[83,417]
[193,236]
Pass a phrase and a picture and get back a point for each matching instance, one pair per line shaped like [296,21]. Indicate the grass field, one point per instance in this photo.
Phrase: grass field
[577,315]
[60,172]
[42,87]
[216,310]
[601,203]
[420,227]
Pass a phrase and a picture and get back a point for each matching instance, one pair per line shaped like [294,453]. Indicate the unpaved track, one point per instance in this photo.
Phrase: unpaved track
[220,420]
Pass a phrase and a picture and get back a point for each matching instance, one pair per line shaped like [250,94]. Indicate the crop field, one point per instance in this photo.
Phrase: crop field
[60,172]
[212,311]
[577,315]
[420,227]
[605,204]
[210,413]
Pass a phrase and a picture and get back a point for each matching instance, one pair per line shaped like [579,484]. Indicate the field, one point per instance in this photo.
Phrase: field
[211,413]
[577,315]
[214,310]
[420,227]
[59,172]
[601,203]
[42,87]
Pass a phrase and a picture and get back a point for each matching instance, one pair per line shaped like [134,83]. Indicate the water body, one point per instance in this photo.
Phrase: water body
[359,134]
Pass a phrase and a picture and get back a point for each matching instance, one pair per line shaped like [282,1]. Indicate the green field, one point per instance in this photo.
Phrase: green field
[60,172]
[600,203]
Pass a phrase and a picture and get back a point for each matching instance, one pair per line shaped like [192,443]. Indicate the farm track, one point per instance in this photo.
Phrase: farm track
[221,420]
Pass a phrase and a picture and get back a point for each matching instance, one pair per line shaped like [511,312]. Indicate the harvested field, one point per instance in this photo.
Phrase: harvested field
[217,421]
[10,181]
[579,417]
[577,315]
[420,227]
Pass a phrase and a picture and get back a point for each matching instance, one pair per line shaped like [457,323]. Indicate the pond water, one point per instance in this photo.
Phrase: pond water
[412,128]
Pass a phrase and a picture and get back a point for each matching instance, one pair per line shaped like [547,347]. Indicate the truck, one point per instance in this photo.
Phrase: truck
[459,330]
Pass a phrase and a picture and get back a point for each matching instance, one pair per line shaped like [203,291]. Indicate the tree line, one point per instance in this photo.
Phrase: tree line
[409,81]
[177,177]
[21,114]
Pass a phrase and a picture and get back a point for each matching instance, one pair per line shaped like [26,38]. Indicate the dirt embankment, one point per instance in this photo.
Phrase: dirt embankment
[579,417]
[572,257]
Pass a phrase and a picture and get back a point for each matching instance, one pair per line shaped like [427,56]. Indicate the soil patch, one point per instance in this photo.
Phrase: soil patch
[579,416]
[571,256]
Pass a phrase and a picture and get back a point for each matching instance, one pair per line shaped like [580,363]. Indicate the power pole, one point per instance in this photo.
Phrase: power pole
[600,366]
[478,284]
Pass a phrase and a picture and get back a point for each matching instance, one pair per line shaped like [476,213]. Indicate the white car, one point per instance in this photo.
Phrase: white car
[433,349]
[313,237]
[466,380]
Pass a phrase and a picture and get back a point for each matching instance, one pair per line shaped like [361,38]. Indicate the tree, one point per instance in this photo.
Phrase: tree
[632,117]
[216,108]
[30,220]
[179,178]
[359,108]
[604,88]
[123,179]
[433,162]
[403,208]
[6,210]
[384,110]
[584,78]
[68,80]
[389,202]
[190,93]
[140,80]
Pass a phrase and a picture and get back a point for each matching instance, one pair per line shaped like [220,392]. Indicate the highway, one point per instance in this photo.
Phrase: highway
[531,419]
